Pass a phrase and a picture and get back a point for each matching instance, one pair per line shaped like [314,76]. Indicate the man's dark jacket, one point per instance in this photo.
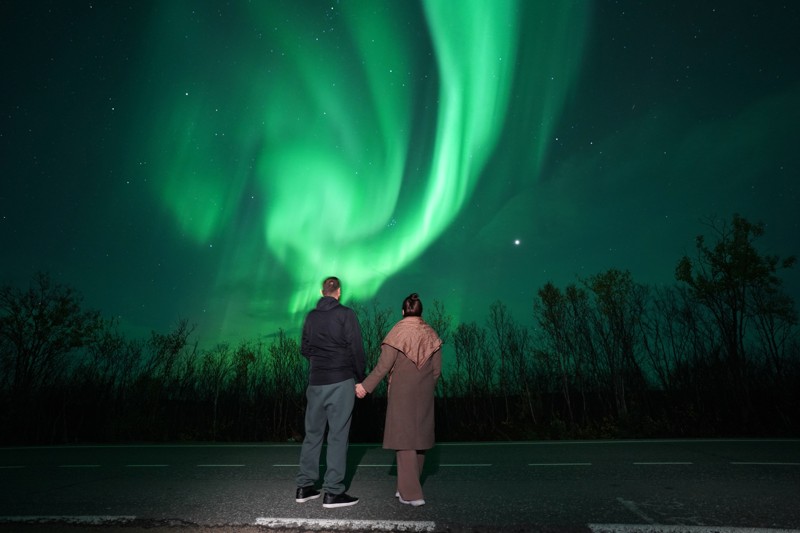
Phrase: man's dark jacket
[332,344]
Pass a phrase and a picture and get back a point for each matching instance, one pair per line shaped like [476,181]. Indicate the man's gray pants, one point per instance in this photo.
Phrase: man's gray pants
[331,406]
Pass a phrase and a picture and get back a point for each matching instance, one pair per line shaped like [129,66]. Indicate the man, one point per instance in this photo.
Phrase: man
[334,348]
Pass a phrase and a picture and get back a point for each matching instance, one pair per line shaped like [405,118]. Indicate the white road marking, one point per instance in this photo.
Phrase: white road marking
[593,442]
[346,525]
[559,464]
[764,463]
[390,465]
[664,463]
[638,463]
[383,525]
[377,445]
[95,520]
[466,464]
[661,528]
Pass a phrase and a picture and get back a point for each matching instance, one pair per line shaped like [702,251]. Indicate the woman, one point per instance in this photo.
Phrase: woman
[411,354]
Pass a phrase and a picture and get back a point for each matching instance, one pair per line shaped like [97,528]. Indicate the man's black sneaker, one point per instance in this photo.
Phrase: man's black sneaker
[338,500]
[306,493]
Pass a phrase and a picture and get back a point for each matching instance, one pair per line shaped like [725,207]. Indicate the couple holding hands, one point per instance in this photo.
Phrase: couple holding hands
[410,356]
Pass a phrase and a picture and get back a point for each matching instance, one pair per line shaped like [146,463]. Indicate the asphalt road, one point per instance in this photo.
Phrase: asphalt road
[623,486]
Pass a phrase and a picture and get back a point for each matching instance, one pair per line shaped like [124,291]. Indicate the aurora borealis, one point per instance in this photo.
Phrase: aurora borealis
[215,161]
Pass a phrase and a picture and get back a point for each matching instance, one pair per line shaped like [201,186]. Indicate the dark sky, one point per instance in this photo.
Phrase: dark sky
[214,161]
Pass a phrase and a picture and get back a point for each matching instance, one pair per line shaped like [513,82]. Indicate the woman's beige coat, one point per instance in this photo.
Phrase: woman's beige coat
[409,414]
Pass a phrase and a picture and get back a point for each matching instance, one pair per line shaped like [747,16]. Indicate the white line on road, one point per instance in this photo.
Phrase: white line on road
[220,466]
[346,525]
[9,467]
[145,466]
[600,442]
[660,528]
[559,464]
[664,463]
[96,520]
[383,525]
[439,444]
[765,464]
[466,464]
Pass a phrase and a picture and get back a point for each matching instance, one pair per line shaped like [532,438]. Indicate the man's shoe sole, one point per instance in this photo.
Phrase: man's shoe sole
[307,498]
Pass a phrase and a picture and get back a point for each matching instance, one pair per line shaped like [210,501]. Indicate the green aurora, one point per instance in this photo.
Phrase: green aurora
[318,123]
[214,161]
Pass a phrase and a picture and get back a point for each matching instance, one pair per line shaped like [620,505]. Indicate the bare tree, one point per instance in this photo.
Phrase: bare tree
[473,379]
[550,311]
[436,316]
[164,351]
[775,320]
[439,320]
[501,326]
[619,304]
[735,283]
[520,357]
[167,375]
[105,375]
[216,371]
[563,317]
[474,366]
[287,369]
[665,338]
[375,323]
[39,327]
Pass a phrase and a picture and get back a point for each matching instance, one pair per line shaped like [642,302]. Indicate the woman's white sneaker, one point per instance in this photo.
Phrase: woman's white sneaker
[413,503]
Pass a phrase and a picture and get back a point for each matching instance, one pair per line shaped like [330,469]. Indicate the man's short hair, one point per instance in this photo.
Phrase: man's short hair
[330,286]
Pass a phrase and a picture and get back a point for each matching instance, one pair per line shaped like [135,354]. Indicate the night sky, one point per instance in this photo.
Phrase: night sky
[214,161]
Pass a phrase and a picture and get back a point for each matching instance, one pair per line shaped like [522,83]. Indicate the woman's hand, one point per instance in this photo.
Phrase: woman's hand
[360,390]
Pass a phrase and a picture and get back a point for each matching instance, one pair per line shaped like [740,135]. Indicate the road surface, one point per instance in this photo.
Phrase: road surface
[624,486]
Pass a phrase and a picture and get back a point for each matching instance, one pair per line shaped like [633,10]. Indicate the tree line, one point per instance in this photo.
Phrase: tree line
[716,353]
